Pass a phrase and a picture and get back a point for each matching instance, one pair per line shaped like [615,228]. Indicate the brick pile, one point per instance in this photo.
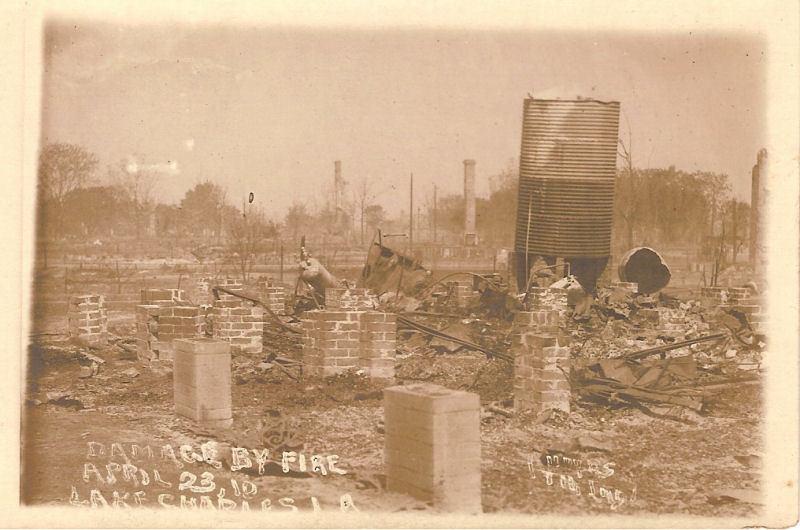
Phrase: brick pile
[202,381]
[539,358]
[652,315]
[670,322]
[713,296]
[335,341]
[87,319]
[349,299]
[433,445]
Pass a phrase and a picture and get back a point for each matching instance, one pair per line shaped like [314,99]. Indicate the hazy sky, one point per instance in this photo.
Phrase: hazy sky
[268,109]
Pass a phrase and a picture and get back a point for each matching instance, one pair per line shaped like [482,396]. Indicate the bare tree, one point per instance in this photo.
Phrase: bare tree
[363,199]
[297,220]
[247,239]
[63,168]
[628,206]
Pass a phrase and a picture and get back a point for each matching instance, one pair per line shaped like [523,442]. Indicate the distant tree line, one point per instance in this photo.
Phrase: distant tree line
[652,207]
[666,207]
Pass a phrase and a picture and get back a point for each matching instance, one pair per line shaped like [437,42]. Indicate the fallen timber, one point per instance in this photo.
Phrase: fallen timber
[239,294]
[436,333]
[641,354]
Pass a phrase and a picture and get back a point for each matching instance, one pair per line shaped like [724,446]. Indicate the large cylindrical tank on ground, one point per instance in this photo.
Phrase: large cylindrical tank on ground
[566,183]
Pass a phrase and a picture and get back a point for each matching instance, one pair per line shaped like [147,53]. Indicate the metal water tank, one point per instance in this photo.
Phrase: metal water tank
[566,183]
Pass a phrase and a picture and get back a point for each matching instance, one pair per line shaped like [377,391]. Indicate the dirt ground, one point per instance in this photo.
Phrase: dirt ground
[596,460]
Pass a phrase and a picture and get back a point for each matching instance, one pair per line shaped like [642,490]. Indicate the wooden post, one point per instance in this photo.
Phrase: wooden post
[434,213]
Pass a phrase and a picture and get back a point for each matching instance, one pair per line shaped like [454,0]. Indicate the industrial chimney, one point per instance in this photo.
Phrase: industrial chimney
[337,183]
[470,237]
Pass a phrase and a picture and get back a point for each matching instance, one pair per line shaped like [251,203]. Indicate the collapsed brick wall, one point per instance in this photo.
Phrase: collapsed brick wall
[158,325]
[162,317]
[87,319]
[335,341]
[541,362]
[736,298]
[672,323]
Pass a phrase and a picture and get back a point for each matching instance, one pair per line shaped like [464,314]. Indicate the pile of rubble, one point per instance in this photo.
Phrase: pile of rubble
[617,346]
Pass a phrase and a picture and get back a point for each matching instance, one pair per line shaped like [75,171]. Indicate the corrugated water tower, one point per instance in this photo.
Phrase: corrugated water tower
[566,185]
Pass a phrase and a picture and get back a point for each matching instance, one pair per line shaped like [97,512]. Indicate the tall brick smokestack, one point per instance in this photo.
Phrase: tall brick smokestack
[337,183]
[470,237]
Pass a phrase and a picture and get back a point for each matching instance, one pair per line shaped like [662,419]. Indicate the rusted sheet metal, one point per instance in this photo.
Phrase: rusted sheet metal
[387,271]
[567,172]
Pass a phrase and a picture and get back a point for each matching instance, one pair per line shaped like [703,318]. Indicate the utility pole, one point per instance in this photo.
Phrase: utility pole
[434,213]
[735,237]
[411,216]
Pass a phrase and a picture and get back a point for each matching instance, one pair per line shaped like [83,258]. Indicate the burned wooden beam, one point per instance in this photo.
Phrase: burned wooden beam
[436,333]
[641,354]
[216,290]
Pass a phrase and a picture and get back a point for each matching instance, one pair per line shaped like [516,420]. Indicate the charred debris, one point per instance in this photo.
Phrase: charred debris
[629,347]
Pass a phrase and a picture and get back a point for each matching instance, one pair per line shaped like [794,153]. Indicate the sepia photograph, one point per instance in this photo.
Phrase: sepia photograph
[410,273]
